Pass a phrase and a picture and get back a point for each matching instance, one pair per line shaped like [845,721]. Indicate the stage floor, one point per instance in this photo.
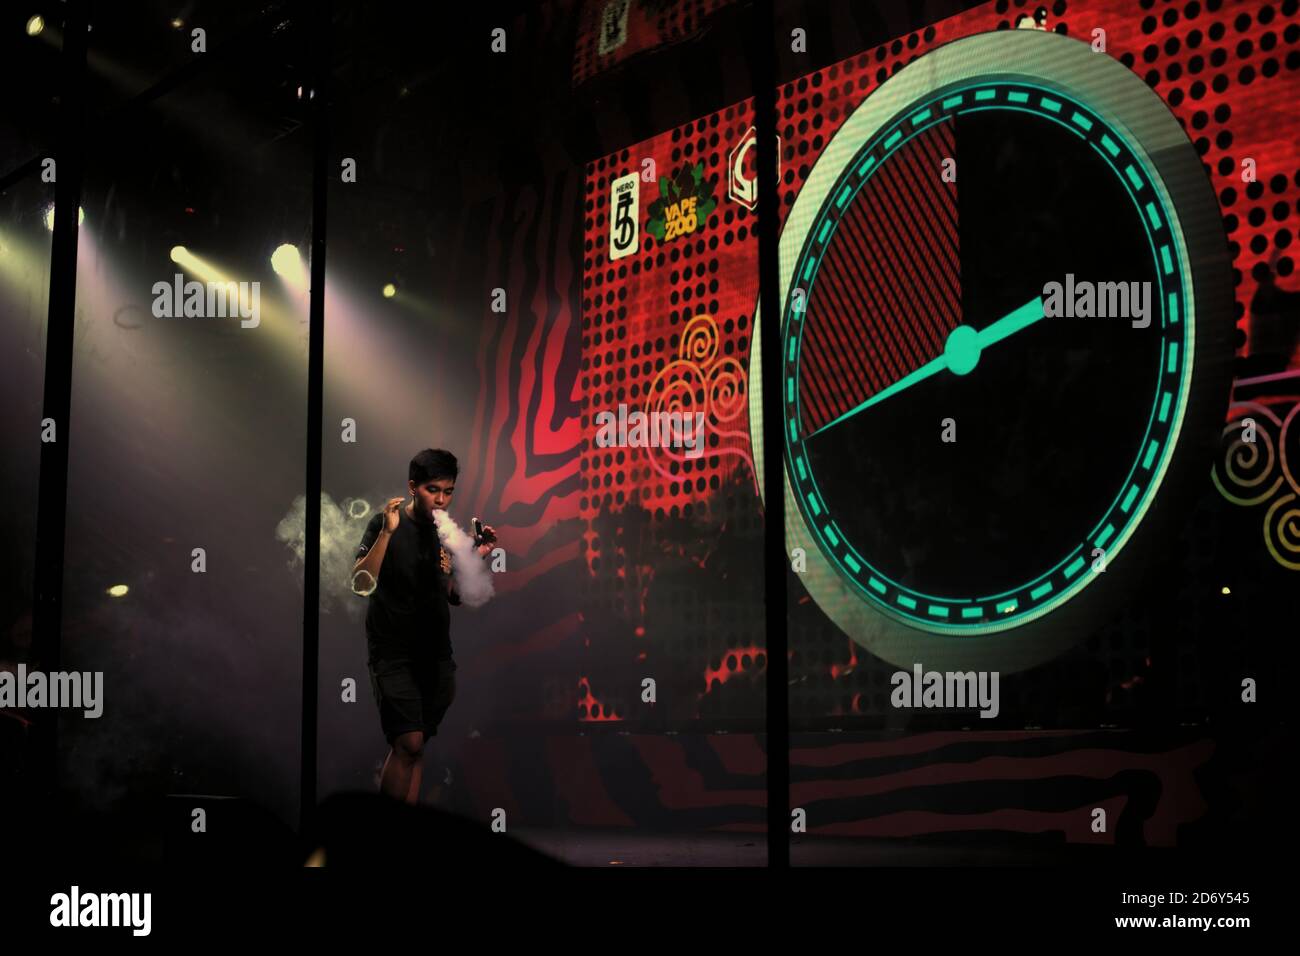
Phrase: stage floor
[630,848]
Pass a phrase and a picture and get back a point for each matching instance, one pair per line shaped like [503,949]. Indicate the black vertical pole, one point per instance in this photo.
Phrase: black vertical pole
[763,68]
[51,519]
[317,18]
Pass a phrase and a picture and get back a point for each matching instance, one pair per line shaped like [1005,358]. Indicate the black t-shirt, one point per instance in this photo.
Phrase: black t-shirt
[408,614]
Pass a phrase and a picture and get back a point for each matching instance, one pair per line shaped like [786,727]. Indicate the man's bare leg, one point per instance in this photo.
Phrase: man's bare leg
[402,764]
[417,772]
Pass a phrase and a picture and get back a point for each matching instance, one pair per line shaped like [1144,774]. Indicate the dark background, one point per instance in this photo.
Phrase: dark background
[471,177]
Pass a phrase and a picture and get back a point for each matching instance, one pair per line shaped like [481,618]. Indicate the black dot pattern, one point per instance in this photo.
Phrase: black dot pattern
[668,327]
[1229,73]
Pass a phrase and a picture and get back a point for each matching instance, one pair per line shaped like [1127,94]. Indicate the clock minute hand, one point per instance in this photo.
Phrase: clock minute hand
[960,355]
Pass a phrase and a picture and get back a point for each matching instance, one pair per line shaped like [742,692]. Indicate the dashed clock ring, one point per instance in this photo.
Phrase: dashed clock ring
[1004,355]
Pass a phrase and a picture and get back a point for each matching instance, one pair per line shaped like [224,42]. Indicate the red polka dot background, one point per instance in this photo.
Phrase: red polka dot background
[1229,73]
[644,312]
[667,328]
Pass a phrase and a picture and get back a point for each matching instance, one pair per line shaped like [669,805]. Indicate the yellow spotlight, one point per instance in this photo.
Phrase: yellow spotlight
[49,217]
[179,253]
[177,23]
[118,590]
[287,263]
[390,290]
[35,25]
[1227,590]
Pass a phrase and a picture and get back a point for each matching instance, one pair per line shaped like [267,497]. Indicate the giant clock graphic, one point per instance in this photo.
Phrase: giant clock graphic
[973,482]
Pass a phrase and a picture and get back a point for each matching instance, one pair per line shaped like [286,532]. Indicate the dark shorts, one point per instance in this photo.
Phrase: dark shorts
[412,694]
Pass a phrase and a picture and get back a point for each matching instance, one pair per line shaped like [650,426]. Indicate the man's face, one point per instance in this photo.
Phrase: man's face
[432,494]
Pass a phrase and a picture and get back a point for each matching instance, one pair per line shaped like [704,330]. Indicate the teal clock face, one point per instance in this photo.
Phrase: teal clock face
[964,461]
[989,341]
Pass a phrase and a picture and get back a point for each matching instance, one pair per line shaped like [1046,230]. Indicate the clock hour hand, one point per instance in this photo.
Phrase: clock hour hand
[1009,324]
[961,353]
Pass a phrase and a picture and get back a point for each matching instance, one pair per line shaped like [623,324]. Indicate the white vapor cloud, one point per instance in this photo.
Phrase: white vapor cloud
[469,572]
[341,527]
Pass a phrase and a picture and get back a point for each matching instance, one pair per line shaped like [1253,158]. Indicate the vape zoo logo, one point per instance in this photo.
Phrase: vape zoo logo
[683,206]
[743,187]
[613,26]
[625,211]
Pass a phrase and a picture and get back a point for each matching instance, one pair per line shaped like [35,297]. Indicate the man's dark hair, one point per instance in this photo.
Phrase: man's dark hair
[432,464]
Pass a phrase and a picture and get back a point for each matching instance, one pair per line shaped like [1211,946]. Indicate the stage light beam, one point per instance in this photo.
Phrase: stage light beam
[390,290]
[35,25]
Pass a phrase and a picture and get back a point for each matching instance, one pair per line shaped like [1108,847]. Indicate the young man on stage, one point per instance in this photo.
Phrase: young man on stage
[408,637]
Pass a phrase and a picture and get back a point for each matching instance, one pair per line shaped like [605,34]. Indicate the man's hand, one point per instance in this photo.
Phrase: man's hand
[489,541]
[391,517]
[444,560]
